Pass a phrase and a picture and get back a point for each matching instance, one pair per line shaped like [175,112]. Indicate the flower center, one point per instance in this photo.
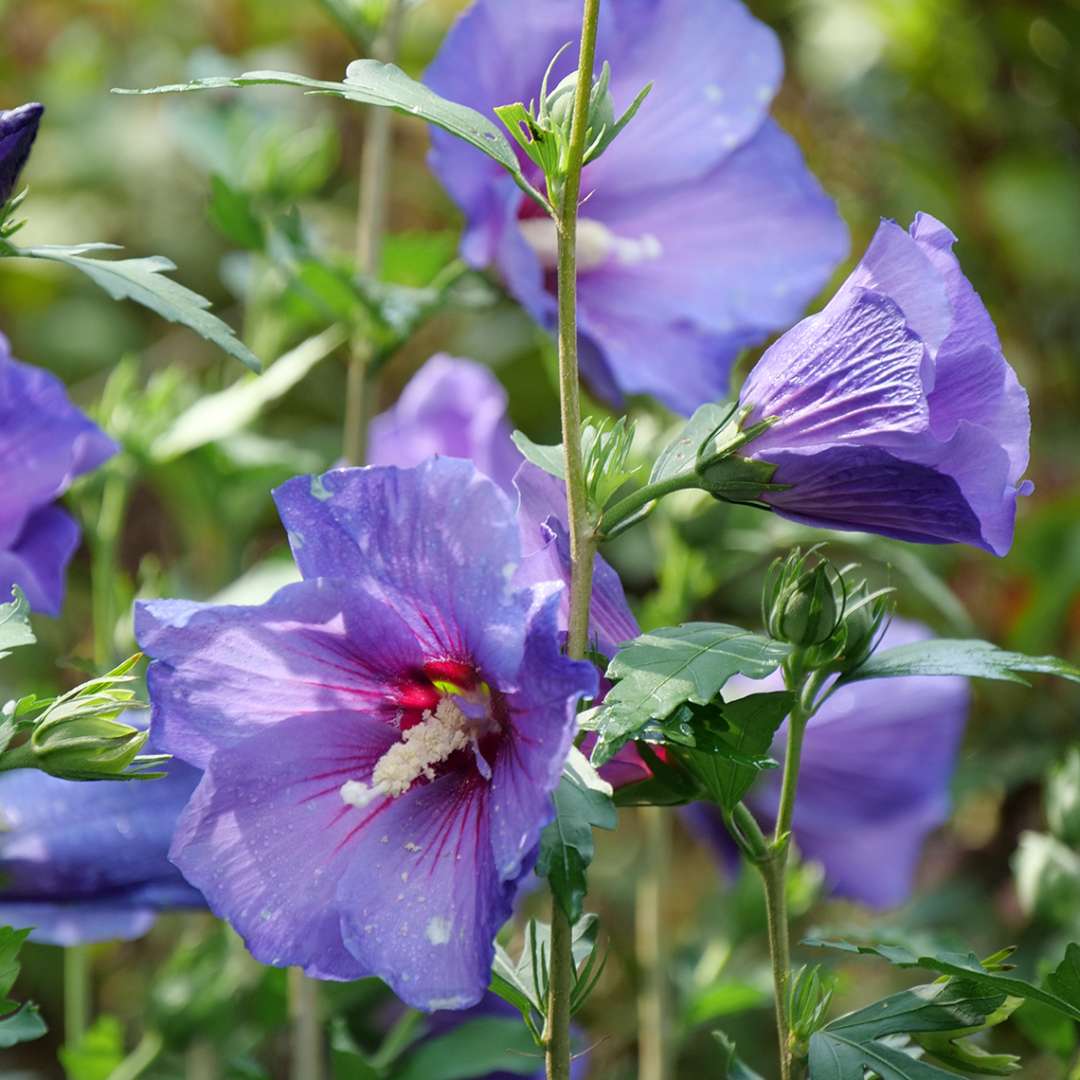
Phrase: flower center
[596,244]
[454,725]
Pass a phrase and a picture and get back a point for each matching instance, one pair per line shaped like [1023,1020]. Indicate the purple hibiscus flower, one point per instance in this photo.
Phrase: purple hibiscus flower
[45,442]
[85,862]
[381,740]
[896,410]
[18,129]
[874,783]
[703,231]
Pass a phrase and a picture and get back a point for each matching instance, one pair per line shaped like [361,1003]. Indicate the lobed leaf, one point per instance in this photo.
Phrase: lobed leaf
[659,671]
[15,627]
[371,82]
[143,280]
[948,656]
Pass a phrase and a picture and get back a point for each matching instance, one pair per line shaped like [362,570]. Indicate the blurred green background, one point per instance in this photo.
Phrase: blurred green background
[968,109]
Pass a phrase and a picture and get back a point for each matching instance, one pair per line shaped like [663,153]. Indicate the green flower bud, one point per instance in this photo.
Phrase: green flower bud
[803,604]
[1063,799]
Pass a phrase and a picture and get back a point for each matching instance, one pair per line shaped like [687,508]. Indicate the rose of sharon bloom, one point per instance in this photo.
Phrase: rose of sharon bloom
[45,442]
[703,230]
[381,740]
[876,766]
[85,862]
[896,410]
[18,129]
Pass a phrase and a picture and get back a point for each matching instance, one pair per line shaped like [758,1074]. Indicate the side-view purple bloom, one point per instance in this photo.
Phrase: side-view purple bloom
[381,740]
[18,129]
[896,410]
[86,862]
[702,232]
[877,763]
[45,442]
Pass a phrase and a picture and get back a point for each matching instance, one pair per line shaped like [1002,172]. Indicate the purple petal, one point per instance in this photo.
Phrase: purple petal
[851,374]
[438,543]
[45,442]
[973,380]
[267,836]
[545,546]
[219,674]
[543,716]
[87,861]
[452,407]
[18,129]
[38,561]
[739,250]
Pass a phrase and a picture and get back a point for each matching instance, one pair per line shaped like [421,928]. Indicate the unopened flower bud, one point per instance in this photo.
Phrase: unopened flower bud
[803,603]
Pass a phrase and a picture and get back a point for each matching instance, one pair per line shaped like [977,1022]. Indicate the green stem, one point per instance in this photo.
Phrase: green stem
[370,230]
[650,940]
[582,541]
[106,540]
[141,1058]
[306,1021]
[201,1061]
[773,870]
[77,993]
[638,500]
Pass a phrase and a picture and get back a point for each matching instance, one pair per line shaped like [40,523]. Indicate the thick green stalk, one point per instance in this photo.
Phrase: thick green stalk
[773,870]
[582,542]
[370,230]
[638,500]
[650,945]
[77,993]
[306,1023]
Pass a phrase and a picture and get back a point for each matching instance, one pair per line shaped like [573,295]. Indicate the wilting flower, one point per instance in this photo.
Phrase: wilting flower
[896,410]
[702,232]
[45,442]
[876,768]
[85,862]
[381,740]
[457,408]
[18,129]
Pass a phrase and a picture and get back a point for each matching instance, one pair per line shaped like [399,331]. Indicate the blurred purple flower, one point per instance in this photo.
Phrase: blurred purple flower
[381,740]
[703,231]
[18,129]
[85,862]
[45,442]
[898,413]
[876,767]
[457,408]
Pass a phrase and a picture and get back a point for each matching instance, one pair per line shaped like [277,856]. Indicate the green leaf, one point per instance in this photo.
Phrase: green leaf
[144,281]
[98,1053]
[371,82]
[216,416]
[680,457]
[548,458]
[11,941]
[845,1048]
[736,752]
[582,803]
[946,656]
[1062,991]
[232,212]
[15,627]
[475,1048]
[23,1025]
[732,1067]
[659,671]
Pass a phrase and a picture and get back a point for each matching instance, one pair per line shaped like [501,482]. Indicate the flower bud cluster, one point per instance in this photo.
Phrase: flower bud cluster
[834,622]
[543,129]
